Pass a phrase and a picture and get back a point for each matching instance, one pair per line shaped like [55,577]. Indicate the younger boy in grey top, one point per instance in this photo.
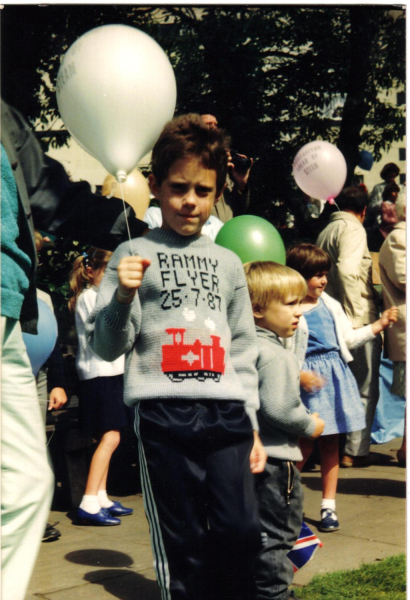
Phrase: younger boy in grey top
[282,417]
[276,292]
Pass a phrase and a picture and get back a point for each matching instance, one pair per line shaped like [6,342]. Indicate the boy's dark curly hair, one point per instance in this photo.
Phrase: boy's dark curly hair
[188,136]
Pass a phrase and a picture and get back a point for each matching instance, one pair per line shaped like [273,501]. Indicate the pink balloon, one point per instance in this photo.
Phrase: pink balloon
[320,170]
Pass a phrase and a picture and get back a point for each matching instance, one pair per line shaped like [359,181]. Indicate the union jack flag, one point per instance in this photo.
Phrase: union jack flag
[304,548]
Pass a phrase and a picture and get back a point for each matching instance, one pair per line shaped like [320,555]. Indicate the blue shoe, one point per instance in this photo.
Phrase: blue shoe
[101,518]
[118,510]
[328,520]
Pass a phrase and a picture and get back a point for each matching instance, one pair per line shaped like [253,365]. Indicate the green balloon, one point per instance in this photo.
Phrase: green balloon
[252,238]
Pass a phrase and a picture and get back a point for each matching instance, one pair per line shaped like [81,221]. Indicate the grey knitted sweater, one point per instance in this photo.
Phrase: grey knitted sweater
[282,416]
[189,332]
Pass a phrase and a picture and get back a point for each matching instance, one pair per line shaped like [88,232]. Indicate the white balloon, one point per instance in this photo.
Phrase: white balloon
[320,170]
[116,90]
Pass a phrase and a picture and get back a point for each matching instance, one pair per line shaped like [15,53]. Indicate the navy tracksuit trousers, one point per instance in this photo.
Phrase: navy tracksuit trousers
[199,497]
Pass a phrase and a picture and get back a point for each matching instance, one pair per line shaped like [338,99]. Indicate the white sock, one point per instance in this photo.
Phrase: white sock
[90,504]
[103,499]
[327,503]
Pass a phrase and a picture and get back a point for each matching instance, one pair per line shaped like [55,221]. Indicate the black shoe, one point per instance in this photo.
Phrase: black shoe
[51,533]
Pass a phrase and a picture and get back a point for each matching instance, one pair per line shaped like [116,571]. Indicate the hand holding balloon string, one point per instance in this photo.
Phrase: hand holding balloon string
[388,318]
[130,271]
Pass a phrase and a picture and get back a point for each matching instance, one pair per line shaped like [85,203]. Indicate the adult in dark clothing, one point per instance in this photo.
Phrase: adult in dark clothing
[386,218]
[235,199]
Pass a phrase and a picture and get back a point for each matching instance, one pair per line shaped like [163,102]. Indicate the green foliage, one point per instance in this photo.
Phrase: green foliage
[266,72]
[384,580]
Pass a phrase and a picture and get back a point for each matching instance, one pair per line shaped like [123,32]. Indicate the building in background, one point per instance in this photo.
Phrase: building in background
[333,109]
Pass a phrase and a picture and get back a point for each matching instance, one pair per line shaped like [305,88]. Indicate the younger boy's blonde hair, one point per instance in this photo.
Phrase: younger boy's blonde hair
[268,280]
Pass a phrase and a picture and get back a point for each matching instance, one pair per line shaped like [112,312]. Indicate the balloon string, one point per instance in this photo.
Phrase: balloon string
[389,298]
[332,200]
[126,219]
[388,295]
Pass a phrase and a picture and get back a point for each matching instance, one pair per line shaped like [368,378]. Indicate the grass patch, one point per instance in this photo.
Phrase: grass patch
[384,580]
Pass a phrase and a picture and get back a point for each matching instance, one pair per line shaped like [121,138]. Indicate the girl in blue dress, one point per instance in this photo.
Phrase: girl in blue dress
[324,337]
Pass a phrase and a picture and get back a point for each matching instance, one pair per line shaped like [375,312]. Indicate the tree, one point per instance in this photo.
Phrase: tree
[266,71]
[367,118]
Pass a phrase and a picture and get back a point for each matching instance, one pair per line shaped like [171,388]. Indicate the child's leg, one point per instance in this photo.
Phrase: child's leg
[101,460]
[103,499]
[329,461]
[99,470]
[329,458]
[103,484]
[280,502]
[180,446]
[306,446]
[108,444]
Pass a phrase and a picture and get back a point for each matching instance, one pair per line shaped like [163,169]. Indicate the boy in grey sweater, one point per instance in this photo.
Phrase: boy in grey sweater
[276,292]
[178,306]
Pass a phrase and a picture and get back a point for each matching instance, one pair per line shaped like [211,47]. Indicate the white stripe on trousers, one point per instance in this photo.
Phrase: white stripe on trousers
[157,544]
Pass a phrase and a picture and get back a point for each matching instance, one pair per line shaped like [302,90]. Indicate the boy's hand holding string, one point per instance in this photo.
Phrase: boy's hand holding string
[131,271]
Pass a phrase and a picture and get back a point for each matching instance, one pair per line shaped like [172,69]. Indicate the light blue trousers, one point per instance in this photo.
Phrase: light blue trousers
[26,476]
[365,368]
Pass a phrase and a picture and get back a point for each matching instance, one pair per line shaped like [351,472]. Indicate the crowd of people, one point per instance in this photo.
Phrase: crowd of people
[230,372]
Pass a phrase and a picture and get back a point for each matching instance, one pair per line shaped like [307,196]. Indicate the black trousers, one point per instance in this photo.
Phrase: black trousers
[199,497]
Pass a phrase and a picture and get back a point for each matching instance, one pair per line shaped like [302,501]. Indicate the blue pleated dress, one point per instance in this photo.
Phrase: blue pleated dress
[338,402]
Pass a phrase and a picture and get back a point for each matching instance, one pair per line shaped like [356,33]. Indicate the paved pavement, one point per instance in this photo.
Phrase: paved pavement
[115,562]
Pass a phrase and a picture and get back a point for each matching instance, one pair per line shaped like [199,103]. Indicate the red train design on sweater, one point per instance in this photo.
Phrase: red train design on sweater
[198,361]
